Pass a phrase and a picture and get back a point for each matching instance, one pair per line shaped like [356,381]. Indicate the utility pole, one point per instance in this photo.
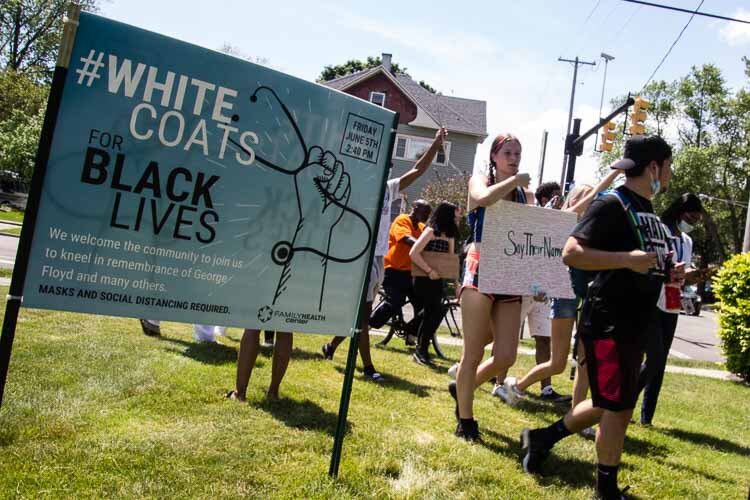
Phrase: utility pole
[542,155]
[606,58]
[576,63]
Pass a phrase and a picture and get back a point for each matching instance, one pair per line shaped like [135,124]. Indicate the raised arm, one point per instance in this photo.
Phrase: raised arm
[421,166]
[481,195]
[582,204]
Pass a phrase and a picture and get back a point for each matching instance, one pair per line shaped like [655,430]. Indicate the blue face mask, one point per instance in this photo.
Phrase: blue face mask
[655,185]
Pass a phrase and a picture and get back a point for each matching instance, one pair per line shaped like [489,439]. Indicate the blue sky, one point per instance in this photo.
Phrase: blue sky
[502,52]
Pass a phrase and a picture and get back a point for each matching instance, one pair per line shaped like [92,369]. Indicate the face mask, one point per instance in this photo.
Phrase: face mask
[655,186]
[684,226]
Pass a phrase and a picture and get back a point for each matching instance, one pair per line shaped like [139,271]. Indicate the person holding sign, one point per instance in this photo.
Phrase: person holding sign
[478,311]
[437,238]
[393,188]
[622,239]
[248,354]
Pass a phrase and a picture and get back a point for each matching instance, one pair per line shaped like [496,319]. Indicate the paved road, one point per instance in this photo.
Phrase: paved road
[8,247]
[696,337]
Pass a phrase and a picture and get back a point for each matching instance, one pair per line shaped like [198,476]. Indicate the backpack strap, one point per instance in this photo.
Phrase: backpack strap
[631,215]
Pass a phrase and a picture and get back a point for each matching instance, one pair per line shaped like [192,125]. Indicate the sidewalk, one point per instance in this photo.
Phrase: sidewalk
[445,340]
[698,372]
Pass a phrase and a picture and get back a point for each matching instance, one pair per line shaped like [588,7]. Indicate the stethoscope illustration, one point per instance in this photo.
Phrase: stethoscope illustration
[334,187]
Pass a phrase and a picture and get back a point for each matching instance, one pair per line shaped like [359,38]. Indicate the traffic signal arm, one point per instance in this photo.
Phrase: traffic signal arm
[577,142]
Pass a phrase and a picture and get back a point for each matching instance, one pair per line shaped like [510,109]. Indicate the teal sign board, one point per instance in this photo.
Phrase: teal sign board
[188,185]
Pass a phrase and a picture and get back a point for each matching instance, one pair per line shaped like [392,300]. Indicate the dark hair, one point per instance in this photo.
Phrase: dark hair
[545,191]
[497,145]
[642,150]
[443,220]
[687,202]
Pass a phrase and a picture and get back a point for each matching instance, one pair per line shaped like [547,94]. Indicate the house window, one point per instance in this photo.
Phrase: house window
[412,148]
[377,98]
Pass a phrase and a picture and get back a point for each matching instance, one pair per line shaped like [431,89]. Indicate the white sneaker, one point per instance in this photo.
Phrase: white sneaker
[452,371]
[513,392]
[500,392]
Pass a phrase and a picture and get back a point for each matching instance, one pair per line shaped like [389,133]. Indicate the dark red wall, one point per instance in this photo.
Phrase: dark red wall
[395,100]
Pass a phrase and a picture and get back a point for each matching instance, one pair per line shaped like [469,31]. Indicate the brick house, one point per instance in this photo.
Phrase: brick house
[420,113]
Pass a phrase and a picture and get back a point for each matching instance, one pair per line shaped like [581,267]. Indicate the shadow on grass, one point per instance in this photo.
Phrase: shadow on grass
[394,382]
[636,446]
[570,471]
[204,352]
[706,440]
[693,471]
[302,414]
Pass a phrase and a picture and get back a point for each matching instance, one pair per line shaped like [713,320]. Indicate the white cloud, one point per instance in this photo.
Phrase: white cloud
[734,33]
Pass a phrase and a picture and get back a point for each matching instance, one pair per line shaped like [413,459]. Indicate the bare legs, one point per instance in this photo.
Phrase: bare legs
[248,354]
[505,318]
[562,329]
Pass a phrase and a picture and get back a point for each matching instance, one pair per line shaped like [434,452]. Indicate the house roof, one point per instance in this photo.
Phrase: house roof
[457,114]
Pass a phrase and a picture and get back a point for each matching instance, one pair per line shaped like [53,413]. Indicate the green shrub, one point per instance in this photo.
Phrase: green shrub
[732,288]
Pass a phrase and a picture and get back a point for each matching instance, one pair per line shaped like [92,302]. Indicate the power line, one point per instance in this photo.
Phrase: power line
[673,44]
[614,37]
[669,7]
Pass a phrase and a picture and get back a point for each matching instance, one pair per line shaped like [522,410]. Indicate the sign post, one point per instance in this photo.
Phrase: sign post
[177,183]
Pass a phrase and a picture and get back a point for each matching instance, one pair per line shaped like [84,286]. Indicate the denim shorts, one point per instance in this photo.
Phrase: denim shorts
[564,308]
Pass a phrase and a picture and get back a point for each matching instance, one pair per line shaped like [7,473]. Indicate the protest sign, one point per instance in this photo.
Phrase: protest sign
[187,185]
[522,250]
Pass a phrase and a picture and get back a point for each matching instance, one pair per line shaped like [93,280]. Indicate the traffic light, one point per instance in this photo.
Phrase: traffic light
[638,116]
[608,136]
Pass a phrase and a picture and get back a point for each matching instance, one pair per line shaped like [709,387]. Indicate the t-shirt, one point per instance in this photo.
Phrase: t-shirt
[391,194]
[683,249]
[398,251]
[608,226]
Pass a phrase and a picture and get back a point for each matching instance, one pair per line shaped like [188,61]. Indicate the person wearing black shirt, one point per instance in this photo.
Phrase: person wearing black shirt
[624,241]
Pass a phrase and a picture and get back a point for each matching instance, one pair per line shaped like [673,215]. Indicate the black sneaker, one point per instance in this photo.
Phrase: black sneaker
[553,397]
[533,452]
[620,495]
[452,388]
[422,359]
[469,432]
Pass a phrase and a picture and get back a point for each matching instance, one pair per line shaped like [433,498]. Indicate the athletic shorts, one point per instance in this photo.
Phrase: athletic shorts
[537,315]
[377,273]
[614,366]
[471,278]
[564,308]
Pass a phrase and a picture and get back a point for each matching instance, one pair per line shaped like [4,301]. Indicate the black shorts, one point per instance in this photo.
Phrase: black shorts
[614,341]
[613,365]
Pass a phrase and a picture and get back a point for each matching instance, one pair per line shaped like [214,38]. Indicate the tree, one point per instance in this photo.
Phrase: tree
[454,189]
[30,33]
[231,50]
[331,72]
[711,152]
[22,104]
[353,65]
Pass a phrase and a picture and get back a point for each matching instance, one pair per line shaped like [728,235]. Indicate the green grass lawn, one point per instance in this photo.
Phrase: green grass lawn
[14,231]
[12,215]
[6,272]
[93,408]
